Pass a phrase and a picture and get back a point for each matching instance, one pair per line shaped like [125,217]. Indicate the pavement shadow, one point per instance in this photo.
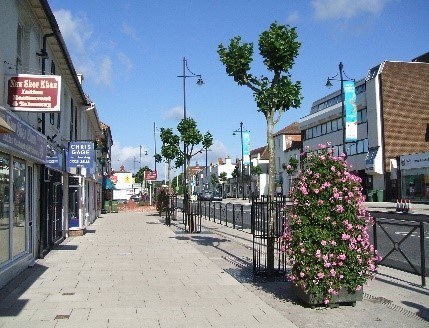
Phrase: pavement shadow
[423,312]
[65,247]
[10,302]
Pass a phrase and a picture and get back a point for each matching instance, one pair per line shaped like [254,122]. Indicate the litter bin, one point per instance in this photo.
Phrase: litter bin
[371,196]
[380,195]
[107,206]
[114,206]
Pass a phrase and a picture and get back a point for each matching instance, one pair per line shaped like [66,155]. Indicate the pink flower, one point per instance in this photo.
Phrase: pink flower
[345,236]
[320,275]
[323,242]
[340,208]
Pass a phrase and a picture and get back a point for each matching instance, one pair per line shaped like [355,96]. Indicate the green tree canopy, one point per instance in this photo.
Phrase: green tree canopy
[273,95]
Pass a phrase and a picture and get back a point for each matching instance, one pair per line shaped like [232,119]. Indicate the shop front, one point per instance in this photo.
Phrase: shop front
[414,173]
[82,193]
[52,220]
[22,154]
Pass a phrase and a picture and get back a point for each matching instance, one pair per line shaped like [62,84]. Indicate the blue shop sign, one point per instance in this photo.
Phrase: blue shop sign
[80,154]
[26,140]
[54,158]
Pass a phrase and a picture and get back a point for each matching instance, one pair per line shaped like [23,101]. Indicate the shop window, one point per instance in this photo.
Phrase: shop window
[4,209]
[19,201]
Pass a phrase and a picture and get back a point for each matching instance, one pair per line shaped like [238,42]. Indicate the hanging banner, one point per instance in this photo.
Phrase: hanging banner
[34,93]
[246,147]
[80,154]
[351,110]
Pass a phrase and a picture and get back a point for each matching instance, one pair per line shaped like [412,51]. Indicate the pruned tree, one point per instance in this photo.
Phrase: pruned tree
[189,134]
[278,47]
[274,95]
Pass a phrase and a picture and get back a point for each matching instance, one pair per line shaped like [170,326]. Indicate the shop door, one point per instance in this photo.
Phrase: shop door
[74,202]
[30,211]
[57,209]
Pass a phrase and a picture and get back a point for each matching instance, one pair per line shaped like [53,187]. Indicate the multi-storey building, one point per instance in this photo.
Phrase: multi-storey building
[392,120]
[287,144]
[43,196]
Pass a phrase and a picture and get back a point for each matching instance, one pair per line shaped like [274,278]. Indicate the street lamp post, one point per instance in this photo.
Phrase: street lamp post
[343,116]
[187,73]
[242,157]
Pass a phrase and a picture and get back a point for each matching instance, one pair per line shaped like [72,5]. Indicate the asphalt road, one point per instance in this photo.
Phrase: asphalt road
[398,242]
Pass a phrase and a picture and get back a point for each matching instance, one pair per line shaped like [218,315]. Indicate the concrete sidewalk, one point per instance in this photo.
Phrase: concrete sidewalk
[393,299]
[130,270]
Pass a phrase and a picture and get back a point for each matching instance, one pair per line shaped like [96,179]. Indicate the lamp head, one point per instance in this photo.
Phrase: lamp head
[328,83]
[200,81]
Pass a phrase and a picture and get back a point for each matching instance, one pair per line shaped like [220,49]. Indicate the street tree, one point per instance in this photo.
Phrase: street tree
[169,150]
[191,137]
[278,46]
[139,176]
[273,95]
[214,179]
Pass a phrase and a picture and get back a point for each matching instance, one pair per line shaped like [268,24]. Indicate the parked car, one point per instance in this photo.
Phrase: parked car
[136,198]
[207,195]
[217,196]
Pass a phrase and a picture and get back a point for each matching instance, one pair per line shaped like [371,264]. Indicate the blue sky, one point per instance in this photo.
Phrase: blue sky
[131,53]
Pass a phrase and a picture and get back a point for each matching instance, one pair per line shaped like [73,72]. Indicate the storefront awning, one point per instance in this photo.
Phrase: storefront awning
[5,127]
[108,184]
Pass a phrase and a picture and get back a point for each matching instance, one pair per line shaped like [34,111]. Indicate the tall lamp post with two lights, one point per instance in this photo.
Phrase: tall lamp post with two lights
[343,114]
[242,155]
[186,74]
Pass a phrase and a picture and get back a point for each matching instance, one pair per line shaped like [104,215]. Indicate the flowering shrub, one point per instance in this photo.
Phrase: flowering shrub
[326,239]
[292,166]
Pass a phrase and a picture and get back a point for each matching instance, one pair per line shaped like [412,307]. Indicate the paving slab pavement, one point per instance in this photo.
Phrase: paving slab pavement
[130,270]
[393,299]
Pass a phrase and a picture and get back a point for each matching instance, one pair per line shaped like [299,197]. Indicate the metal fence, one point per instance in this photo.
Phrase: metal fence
[403,249]
[268,216]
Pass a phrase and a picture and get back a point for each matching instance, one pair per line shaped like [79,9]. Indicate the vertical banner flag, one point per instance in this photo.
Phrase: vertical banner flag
[246,147]
[351,110]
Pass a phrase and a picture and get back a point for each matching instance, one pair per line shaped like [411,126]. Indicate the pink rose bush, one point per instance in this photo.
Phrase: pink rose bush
[326,238]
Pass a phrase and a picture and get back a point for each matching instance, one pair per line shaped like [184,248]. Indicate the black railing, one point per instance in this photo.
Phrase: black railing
[395,246]
[268,216]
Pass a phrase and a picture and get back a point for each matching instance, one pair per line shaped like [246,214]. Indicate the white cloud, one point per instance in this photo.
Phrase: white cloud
[130,31]
[293,18]
[105,74]
[129,157]
[125,60]
[335,9]
[86,52]
[175,113]
[75,30]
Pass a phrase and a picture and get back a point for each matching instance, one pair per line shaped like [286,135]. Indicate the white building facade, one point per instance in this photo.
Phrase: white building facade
[38,194]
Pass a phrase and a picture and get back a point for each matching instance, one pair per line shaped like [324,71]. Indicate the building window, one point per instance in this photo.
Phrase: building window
[4,209]
[19,201]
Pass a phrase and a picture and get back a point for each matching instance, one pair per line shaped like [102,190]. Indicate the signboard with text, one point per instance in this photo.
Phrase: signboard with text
[25,140]
[80,154]
[150,175]
[34,93]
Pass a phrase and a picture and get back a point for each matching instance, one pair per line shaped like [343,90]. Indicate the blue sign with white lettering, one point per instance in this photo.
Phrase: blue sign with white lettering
[80,154]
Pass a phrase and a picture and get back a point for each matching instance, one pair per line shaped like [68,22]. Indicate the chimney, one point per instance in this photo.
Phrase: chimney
[80,78]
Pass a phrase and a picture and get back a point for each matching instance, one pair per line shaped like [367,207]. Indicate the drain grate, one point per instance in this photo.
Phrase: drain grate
[68,294]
